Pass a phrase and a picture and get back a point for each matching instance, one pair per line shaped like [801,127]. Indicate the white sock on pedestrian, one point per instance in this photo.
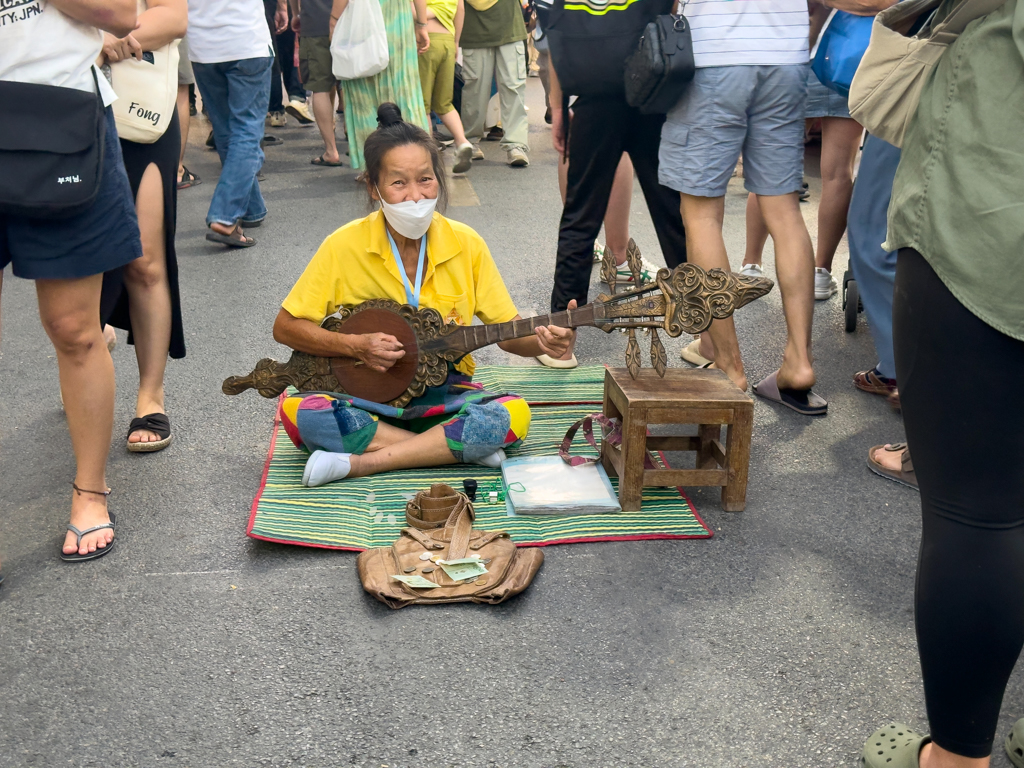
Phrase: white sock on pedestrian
[326,467]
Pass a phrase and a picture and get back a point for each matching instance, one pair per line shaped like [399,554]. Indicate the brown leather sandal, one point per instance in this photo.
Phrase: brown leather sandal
[905,475]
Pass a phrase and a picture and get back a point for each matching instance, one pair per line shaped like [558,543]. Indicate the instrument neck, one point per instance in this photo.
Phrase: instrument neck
[471,337]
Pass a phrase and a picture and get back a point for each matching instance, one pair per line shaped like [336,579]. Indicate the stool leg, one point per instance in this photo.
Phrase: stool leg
[634,449]
[706,433]
[737,460]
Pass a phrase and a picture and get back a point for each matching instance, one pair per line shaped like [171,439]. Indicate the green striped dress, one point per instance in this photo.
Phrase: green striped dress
[399,83]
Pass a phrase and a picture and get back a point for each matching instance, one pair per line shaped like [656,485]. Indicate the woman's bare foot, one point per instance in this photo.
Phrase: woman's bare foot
[144,407]
[799,377]
[88,510]
[891,460]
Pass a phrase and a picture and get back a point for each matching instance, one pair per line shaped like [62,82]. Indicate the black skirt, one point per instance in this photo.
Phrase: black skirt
[164,154]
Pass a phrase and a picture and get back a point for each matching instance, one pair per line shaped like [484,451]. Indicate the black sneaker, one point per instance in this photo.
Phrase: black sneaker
[547,116]
[495,134]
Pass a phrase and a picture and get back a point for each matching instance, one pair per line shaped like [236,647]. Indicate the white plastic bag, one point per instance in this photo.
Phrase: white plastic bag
[359,47]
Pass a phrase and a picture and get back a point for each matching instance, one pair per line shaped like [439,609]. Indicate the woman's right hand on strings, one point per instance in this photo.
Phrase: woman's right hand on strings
[379,351]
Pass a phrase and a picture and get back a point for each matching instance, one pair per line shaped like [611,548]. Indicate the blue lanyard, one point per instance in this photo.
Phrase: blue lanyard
[412,296]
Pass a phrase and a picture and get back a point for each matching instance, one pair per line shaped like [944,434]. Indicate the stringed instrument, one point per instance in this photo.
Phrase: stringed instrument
[685,299]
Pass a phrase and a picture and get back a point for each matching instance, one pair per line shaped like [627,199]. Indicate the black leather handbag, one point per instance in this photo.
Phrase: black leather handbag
[51,150]
[661,67]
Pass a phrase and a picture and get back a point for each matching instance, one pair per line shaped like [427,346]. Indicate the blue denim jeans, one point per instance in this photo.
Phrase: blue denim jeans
[236,95]
[873,267]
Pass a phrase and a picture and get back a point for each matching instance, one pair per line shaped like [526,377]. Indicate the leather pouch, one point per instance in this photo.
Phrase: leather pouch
[440,526]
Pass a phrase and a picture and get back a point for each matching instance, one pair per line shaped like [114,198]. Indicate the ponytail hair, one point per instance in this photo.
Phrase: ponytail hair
[392,132]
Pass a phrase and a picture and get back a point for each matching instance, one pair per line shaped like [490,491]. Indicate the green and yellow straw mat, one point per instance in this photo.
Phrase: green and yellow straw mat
[366,512]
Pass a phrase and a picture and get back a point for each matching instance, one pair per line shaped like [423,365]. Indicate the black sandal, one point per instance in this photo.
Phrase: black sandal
[154,422]
[188,179]
[74,557]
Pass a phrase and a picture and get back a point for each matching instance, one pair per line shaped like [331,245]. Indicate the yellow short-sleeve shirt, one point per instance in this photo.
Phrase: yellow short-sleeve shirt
[355,264]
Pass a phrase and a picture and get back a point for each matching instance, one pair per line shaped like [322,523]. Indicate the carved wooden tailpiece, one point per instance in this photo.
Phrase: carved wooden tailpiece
[685,299]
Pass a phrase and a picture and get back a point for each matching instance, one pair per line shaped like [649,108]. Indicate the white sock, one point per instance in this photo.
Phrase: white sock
[326,467]
[492,460]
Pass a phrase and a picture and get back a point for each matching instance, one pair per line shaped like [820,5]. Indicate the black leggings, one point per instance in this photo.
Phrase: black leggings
[960,388]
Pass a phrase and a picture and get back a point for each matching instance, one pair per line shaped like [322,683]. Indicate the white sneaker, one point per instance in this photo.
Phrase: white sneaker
[278,120]
[300,111]
[478,154]
[517,158]
[463,158]
[752,270]
[824,284]
[647,271]
[598,251]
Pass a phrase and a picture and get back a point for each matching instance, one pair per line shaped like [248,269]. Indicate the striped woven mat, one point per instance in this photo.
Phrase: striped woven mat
[366,512]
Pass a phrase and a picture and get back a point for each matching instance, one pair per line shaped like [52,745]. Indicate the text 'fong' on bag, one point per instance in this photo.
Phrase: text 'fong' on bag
[147,91]
[888,84]
[51,149]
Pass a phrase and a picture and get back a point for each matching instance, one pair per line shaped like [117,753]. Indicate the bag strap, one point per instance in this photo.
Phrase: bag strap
[461,526]
[613,436]
[963,13]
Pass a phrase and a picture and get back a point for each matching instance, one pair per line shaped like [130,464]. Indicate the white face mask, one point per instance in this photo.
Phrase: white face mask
[409,218]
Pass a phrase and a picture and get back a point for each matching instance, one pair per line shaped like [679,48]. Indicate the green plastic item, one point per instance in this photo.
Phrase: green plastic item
[893,746]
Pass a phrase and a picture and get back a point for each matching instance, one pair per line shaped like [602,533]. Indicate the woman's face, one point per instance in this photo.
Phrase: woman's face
[406,173]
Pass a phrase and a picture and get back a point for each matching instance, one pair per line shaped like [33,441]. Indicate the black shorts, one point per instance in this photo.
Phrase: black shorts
[102,238]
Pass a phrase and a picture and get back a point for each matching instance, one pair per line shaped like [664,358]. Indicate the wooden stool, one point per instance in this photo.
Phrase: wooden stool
[704,397]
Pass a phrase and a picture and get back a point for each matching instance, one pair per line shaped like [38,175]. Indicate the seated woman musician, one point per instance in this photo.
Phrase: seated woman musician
[409,253]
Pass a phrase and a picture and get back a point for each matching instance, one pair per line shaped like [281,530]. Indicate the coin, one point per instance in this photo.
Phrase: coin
[475,555]
[480,582]
[487,561]
[428,570]
[425,556]
[408,570]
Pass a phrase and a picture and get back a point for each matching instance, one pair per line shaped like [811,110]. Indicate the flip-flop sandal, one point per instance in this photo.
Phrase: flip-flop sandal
[326,163]
[188,179]
[1014,744]
[153,422]
[691,354]
[230,240]
[74,557]
[803,401]
[904,476]
[893,746]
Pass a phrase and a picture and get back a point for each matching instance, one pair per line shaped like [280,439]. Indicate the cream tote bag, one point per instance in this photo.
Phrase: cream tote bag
[146,92]
[888,84]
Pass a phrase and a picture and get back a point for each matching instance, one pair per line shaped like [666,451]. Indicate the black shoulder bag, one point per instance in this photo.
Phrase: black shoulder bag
[661,67]
[51,149]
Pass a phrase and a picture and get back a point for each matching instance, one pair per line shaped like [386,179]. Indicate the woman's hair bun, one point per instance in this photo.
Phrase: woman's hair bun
[388,114]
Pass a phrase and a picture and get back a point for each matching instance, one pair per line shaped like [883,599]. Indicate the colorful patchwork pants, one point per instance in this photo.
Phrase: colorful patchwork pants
[476,422]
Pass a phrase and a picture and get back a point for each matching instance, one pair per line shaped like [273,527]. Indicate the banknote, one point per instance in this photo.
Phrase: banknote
[415,581]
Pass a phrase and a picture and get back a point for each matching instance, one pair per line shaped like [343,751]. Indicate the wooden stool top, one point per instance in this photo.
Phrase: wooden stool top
[681,388]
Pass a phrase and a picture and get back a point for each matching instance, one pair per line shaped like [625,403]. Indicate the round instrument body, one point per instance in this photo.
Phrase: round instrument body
[358,379]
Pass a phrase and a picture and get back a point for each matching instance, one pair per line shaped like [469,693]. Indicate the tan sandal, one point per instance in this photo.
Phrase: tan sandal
[905,475]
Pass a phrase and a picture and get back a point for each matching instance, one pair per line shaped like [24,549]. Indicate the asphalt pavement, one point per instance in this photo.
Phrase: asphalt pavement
[784,640]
